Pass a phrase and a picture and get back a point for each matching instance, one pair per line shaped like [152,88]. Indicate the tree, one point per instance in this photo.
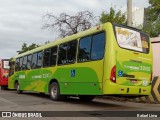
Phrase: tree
[113,16]
[152,19]
[67,24]
[26,48]
[154,9]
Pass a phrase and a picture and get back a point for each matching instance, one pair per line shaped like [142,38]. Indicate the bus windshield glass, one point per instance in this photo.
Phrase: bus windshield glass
[131,39]
[6,64]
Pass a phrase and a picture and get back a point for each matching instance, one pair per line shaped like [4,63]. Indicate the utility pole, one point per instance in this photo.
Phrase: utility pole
[129,12]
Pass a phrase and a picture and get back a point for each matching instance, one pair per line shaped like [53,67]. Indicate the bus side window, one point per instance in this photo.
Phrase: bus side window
[62,54]
[71,52]
[20,63]
[34,60]
[39,59]
[53,56]
[50,57]
[67,52]
[84,49]
[29,60]
[17,64]
[24,63]
[46,57]
[98,43]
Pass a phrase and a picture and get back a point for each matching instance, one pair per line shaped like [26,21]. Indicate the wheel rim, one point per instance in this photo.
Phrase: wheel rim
[54,91]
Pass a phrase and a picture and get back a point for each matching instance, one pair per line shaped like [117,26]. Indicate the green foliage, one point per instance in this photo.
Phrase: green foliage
[152,22]
[154,9]
[26,48]
[113,16]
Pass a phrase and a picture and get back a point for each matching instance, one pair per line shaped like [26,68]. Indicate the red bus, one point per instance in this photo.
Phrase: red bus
[4,72]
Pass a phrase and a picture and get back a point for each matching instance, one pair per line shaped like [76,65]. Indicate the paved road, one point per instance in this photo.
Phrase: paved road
[11,101]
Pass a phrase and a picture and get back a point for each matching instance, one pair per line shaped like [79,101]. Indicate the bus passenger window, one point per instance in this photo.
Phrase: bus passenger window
[29,58]
[34,60]
[20,63]
[53,56]
[24,63]
[62,54]
[98,43]
[17,64]
[39,60]
[71,52]
[46,59]
[84,49]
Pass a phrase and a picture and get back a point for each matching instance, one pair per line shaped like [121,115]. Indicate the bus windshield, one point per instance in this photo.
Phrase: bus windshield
[6,64]
[131,39]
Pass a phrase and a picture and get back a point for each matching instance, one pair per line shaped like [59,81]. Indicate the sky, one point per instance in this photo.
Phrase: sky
[21,20]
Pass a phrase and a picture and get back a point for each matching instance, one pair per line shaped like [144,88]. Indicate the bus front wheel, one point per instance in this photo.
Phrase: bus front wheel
[54,92]
[18,88]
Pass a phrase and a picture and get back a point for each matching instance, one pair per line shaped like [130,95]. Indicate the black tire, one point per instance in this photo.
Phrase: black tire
[4,87]
[86,98]
[18,88]
[54,92]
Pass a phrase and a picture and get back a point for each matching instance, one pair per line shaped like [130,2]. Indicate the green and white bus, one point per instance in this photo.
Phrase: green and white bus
[109,59]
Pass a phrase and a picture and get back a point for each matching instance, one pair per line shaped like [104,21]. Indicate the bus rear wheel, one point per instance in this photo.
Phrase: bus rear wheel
[86,98]
[54,92]
[18,88]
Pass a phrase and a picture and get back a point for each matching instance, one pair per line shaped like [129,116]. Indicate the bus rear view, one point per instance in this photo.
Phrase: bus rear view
[130,69]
